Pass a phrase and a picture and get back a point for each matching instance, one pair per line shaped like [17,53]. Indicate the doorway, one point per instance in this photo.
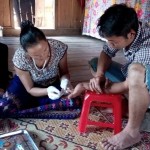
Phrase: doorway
[40,12]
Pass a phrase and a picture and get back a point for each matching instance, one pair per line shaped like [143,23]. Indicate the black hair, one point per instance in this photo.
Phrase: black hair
[30,35]
[118,20]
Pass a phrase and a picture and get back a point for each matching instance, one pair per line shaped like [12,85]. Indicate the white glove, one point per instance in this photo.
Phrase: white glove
[66,86]
[53,93]
[64,83]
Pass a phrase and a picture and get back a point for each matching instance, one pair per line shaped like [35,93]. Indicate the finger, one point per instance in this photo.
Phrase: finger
[94,85]
[55,91]
[53,96]
[107,83]
[98,89]
[97,86]
[91,85]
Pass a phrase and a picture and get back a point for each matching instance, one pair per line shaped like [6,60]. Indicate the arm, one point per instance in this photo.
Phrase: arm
[64,75]
[99,79]
[63,67]
[104,62]
[79,89]
[28,83]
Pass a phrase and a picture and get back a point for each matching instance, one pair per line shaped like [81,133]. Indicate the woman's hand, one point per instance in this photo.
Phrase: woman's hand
[53,93]
[65,84]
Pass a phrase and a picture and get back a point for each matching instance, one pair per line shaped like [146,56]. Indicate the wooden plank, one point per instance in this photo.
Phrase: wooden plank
[69,14]
[1,13]
[79,53]
[64,13]
[7,14]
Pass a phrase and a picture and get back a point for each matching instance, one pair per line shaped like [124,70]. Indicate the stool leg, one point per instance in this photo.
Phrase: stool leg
[118,116]
[84,116]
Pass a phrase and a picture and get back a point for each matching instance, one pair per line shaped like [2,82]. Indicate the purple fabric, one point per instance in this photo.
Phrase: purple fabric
[16,102]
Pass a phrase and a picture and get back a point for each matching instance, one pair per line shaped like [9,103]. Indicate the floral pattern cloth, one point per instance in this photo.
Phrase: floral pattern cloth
[95,8]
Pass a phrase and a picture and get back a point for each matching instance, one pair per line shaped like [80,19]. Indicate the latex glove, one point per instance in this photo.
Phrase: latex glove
[66,86]
[64,83]
[53,93]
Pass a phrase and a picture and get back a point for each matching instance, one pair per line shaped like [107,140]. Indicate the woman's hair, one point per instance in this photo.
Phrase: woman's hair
[118,20]
[30,35]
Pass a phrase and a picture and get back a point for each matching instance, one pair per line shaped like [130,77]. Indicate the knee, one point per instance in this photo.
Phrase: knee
[136,75]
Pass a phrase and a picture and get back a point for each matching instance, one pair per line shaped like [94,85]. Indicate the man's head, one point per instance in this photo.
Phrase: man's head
[118,21]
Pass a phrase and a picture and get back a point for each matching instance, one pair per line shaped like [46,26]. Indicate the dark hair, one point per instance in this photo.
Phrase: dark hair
[30,35]
[117,20]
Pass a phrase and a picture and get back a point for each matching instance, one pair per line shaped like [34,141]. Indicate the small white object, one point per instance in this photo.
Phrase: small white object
[64,83]
[53,93]
[1,31]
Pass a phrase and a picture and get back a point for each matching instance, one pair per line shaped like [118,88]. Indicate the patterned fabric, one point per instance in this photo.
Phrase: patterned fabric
[17,102]
[50,73]
[138,52]
[95,8]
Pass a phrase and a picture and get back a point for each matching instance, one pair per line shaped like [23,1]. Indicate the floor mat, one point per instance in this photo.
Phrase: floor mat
[50,134]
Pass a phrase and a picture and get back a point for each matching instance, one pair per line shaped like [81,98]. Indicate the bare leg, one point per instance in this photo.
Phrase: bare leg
[79,89]
[138,104]
[118,87]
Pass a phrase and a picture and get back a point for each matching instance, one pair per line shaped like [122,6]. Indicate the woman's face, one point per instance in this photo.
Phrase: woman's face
[39,51]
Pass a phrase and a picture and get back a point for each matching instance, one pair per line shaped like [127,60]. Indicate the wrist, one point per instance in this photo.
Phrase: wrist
[99,75]
[66,76]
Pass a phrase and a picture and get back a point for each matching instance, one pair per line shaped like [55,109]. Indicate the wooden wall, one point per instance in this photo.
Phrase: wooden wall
[69,18]
[5,13]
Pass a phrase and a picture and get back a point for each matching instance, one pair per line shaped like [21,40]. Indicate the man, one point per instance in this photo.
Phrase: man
[120,26]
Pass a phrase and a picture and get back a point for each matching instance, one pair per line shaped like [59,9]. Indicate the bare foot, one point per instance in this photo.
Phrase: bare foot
[120,141]
[77,91]
[73,94]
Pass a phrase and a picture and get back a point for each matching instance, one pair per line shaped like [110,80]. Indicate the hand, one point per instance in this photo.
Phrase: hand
[53,93]
[108,83]
[66,85]
[97,84]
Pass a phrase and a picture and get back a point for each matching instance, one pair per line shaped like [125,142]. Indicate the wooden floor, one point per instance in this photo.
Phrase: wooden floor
[80,50]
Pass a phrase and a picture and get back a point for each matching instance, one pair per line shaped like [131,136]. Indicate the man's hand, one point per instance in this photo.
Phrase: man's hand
[97,84]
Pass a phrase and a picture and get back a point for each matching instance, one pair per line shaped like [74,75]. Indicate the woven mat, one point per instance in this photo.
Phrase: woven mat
[62,134]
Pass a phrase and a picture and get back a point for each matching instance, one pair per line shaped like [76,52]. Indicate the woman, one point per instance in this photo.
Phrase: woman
[42,76]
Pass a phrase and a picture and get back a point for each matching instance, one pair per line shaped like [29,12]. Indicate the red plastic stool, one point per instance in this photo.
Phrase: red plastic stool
[113,101]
